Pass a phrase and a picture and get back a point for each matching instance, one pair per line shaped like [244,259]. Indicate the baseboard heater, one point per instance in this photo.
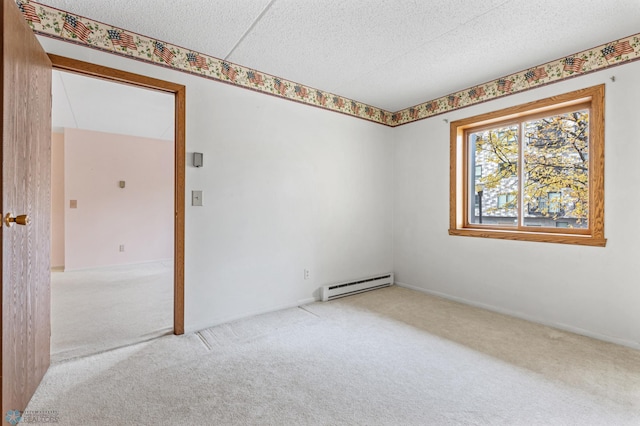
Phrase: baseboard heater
[334,291]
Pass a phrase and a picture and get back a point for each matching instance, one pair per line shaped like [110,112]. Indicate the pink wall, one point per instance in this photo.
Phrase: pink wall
[57,200]
[140,216]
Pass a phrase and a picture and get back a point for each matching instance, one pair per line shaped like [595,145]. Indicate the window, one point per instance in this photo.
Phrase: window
[506,200]
[553,205]
[531,172]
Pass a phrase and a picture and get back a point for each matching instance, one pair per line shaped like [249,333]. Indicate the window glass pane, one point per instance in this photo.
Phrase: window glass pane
[556,171]
[493,193]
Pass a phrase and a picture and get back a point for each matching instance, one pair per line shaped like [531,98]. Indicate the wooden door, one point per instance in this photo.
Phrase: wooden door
[25,174]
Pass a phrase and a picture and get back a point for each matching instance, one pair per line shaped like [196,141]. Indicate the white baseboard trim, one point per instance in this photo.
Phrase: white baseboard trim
[202,326]
[307,301]
[520,315]
[132,264]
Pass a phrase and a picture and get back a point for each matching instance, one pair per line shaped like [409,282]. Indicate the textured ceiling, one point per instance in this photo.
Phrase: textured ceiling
[89,103]
[388,53]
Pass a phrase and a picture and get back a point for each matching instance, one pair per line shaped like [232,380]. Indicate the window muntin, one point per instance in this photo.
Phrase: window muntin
[541,169]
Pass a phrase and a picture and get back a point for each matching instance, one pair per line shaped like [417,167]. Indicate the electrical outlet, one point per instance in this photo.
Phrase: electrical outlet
[121,247]
[306,274]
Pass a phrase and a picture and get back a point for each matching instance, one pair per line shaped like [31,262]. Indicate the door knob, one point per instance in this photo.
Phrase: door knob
[23,219]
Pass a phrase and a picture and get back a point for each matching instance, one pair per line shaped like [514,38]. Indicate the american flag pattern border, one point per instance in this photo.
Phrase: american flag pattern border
[50,22]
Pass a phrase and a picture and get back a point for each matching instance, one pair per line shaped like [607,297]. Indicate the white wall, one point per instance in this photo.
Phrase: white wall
[593,291]
[138,216]
[286,187]
[57,200]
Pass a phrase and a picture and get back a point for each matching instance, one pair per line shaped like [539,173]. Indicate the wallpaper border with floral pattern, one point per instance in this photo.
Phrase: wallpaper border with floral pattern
[58,24]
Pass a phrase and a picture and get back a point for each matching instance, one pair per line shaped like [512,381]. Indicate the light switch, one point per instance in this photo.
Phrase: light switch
[73,204]
[196,198]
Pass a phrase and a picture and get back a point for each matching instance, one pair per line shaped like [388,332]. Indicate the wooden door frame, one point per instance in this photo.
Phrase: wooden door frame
[179,92]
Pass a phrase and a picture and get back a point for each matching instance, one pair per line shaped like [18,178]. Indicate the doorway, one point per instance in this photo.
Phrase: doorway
[125,216]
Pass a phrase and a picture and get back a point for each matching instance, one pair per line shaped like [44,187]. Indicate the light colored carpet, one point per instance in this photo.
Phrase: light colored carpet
[386,357]
[104,308]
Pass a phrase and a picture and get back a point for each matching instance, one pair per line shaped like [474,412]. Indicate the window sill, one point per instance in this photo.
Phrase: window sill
[541,237]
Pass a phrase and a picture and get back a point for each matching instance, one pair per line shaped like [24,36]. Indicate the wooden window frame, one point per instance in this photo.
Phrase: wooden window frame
[458,211]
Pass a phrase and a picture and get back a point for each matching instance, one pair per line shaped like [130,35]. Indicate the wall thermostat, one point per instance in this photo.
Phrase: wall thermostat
[197,159]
